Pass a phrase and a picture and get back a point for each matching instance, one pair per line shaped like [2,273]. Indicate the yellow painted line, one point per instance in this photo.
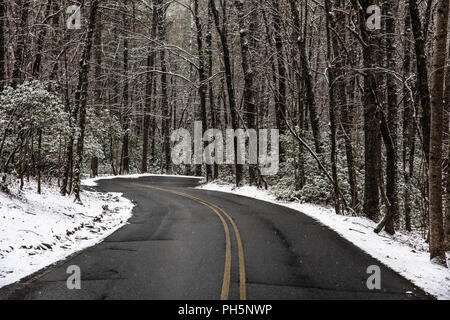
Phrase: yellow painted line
[242,274]
[227,269]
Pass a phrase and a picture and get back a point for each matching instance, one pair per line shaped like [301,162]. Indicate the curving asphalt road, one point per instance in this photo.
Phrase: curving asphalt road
[189,244]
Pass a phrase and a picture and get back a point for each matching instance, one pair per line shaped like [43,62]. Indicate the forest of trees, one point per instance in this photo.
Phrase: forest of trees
[363,111]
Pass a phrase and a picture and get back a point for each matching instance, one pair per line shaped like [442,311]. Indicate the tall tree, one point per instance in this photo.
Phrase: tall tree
[20,46]
[349,104]
[306,72]
[40,42]
[212,104]
[447,110]
[151,57]
[334,65]
[2,44]
[389,125]
[280,95]
[409,127]
[370,46]
[202,78]
[126,110]
[223,35]
[160,6]
[247,69]
[422,71]
[81,96]
[437,250]
[98,92]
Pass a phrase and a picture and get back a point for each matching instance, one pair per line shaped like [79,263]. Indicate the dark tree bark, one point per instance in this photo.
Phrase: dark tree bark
[347,117]
[390,126]
[98,82]
[81,96]
[160,7]
[202,80]
[422,73]
[222,31]
[307,77]
[2,44]
[437,250]
[68,163]
[40,42]
[125,167]
[56,43]
[280,96]
[149,94]
[247,68]
[370,45]
[347,123]
[39,161]
[409,127]
[20,47]
[212,104]
[447,124]
[334,95]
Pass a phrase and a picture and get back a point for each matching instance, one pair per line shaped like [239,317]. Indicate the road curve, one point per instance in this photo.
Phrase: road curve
[189,244]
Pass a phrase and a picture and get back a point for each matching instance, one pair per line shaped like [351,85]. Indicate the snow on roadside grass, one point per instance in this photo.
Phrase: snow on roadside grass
[39,230]
[93,181]
[406,253]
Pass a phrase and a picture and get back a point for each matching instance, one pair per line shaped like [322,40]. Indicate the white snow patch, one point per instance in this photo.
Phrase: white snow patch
[405,253]
[93,181]
[39,230]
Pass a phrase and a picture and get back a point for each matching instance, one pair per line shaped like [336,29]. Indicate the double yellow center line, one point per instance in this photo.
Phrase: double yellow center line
[222,214]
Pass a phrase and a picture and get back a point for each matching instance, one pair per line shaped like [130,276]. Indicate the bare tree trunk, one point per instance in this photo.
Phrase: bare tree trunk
[307,77]
[347,122]
[20,165]
[222,31]
[56,42]
[98,70]
[280,96]
[125,167]
[247,68]
[149,95]
[212,105]
[347,119]
[20,47]
[371,113]
[390,128]
[2,45]
[81,97]
[447,110]
[334,68]
[437,251]
[160,6]
[39,161]
[408,123]
[40,42]
[202,79]
[422,73]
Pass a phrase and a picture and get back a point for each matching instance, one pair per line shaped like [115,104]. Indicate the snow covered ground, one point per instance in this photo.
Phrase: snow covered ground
[406,253]
[39,230]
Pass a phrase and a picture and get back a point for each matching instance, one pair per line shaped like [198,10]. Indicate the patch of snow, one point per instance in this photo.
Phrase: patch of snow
[405,253]
[39,230]
[93,181]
